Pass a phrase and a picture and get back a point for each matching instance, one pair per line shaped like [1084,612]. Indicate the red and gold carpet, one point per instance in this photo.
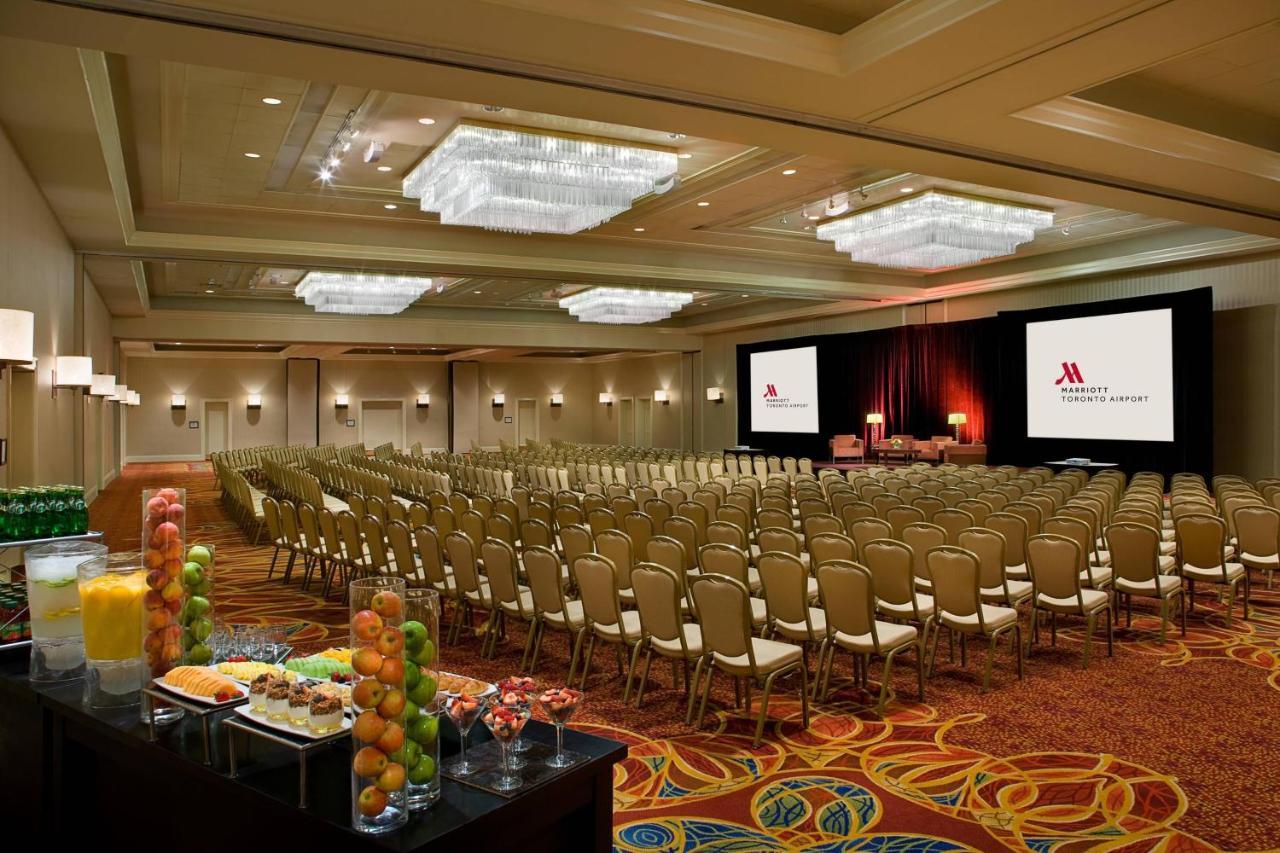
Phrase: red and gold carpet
[1171,747]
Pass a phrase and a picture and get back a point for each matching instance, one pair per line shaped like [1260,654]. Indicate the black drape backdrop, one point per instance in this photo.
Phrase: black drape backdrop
[914,375]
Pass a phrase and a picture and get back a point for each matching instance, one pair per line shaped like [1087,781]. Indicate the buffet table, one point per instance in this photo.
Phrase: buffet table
[81,775]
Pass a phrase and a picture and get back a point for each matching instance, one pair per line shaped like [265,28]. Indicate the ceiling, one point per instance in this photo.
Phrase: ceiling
[1148,128]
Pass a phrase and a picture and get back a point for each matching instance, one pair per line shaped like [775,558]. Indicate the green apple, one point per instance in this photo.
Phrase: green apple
[192,574]
[203,588]
[425,690]
[424,771]
[199,655]
[198,605]
[200,555]
[424,729]
[415,634]
[188,640]
[411,709]
[412,752]
[412,675]
[201,628]
[425,655]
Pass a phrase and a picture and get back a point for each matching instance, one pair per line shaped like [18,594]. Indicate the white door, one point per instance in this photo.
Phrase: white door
[383,421]
[626,422]
[526,421]
[644,422]
[216,424]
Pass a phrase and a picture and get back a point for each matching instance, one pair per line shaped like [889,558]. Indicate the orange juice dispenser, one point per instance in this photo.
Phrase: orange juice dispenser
[112,588]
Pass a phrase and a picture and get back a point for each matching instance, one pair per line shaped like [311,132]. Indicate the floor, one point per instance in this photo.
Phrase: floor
[1169,747]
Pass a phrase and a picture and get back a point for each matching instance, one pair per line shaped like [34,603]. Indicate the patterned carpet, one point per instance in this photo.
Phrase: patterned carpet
[1170,747]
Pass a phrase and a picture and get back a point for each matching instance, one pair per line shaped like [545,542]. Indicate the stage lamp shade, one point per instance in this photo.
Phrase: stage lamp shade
[254,401]
[73,371]
[957,418]
[424,400]
[557,400]
[499,399]
[102,385]
[135,399]
[715,394]
[661,396]
[606,399]
[17,336]
[341,401]
[178,401]
[875,418]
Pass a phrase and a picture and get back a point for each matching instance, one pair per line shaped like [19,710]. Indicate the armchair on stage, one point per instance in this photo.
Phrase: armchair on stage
[846,447]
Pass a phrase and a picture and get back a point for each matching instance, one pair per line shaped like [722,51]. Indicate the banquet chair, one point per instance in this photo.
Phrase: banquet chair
[336,562]
[825,547]
[275,532]
[822,522]
[292,534]
[955,576]
[431,558]
[922,537]
[724,614]
[891,564]
[901,516]
[787,541]
[1091,575]
[977,509]
[953,521]
[995,586]
[615,546]
[1258,535]
[660,596]
[1014,530]
[551,607]
[509,598]
[732,562]
[1203,556]
[606,621]
[472,588]
[929,506]
[1135,561]
[404,563]
[785,583]
[848,602]
[1053,560]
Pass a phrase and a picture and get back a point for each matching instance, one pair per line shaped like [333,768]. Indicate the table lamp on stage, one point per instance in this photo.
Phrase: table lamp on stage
[874,419]
[957,418]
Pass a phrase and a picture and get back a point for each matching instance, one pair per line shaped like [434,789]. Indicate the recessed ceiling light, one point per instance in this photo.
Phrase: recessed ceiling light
[334,162]
[273,102]
[208,291]
[704,204]
[788,171]
[684,156]
[492,108]
[325,175]
[427,121]
[384,168]
[637,229]
[390,206]
[746,295]
[252,155]
[905,189]
[812,216]
[476,292]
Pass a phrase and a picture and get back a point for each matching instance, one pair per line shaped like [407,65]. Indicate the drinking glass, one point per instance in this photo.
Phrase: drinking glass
[505,722]
[559,705]
[464,710]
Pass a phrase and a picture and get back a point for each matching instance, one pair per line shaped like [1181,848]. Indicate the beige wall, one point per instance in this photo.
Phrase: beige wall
[385,380]
[1237,284]
[537,381]
[638,378]
[101,419]
[38,274]
[154,432]
[1246,391]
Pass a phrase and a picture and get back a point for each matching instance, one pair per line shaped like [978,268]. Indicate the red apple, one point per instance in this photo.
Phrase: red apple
[386,604]
[368,727]
[365,625]
[169,495]
[173,551]
[392,738]
[389,641]
[371,802]
[369,762]
[391,673]
[367,660]
[175,513]
[153,559]
[368,693]
[167,532]
[392,704]
[158,619]
[156,508]
[391,779]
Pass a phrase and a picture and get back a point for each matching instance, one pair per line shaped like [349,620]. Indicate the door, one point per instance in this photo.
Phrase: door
[217,423]
[526,421]
[23,436]
[627,422]
[644,422]
[383,421]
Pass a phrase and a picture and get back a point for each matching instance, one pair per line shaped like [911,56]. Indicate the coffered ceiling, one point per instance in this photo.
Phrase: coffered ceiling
[1148,128]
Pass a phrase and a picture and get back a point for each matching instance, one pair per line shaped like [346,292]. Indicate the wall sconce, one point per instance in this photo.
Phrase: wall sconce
[178,401]
[17,337]
[424,401]
[341,401]
[957,419]
[72,371]
[557,400]
[254,402]
[660,396]
[135,399]
[607,399]
[715,394]
[121,395]
[499,400]
[102,385]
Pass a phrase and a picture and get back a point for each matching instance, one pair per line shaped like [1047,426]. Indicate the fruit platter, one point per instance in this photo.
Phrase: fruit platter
[245,671]
[201,684]
[322,667]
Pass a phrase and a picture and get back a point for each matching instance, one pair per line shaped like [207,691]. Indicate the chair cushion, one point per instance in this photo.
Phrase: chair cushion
[1101,577]
[1019,571]
[570,617]
[1257,561]
[692,640]
[759,611]
[1167,547]
[924,603]
[1167,584]
[526,602]
[1166,563]
[798,631]
[482,595]
[447,586]
[891,637]
[1018,591]
[770,655]
[1093,599]
[994,617]
[630,627]
[1102,558]
[1234,570]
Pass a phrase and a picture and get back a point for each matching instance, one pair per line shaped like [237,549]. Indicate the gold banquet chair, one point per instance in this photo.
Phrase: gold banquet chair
[955,576]
[1135,554]
[1053,560]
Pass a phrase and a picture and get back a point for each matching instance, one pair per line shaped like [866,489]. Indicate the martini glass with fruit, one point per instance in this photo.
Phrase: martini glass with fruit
[464,709]
[559,705]
[515,689]
[505,722]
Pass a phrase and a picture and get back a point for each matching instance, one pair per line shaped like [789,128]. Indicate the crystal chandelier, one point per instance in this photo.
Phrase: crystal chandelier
[621,305]
[934,229]
[525,181]
[360,293]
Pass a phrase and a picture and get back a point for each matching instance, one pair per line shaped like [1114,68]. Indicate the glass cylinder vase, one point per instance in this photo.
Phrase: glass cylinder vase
[422,711]
[112,587]
[196,614]
[379,794]
[164,538]
[53,599]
